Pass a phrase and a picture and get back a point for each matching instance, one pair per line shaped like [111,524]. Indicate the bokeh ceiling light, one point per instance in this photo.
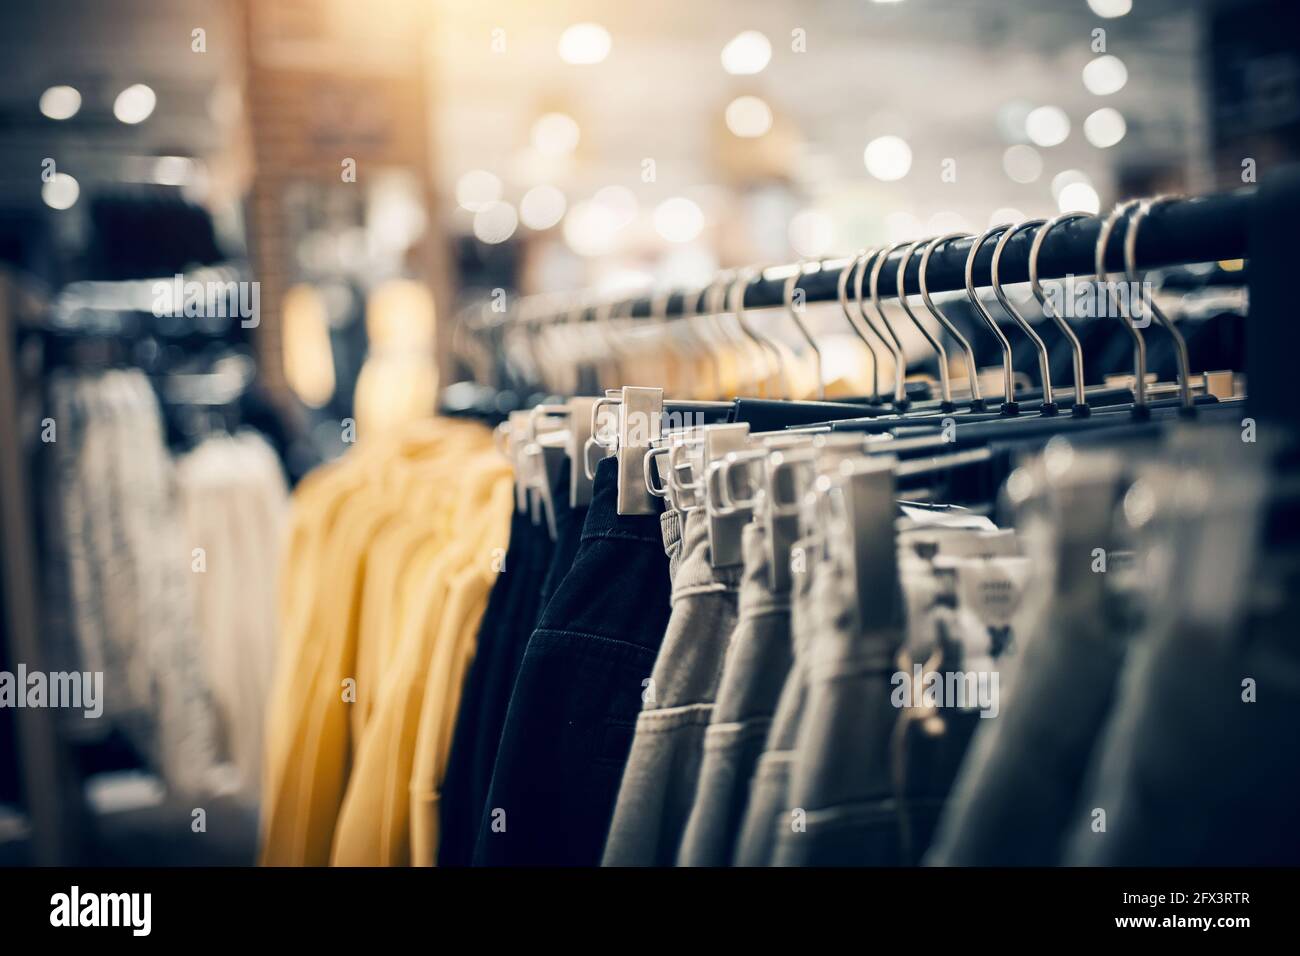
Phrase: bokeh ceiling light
[173,170]
[947,220]
[620,201]
[1105,127]
[1105,75]
[1011,120]
[746,54]
[584,44]
[888,158]
[542,207]
[1066,178]
[61,191]
[748,116]
[1004,215]
[1022,164]
[679,219]
[495,222]
[1110,8]
[135,104]
[1079,197]
[476,189]
[1047,126]
[590,228]
[812,233]
[555,134]
[902,225]
[60,102]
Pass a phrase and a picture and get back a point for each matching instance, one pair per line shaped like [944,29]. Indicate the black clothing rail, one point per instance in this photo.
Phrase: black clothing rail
[1204,229]
[1257,222]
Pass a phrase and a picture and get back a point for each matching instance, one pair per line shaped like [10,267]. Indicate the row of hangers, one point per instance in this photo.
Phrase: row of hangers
[837,478]
[555,339]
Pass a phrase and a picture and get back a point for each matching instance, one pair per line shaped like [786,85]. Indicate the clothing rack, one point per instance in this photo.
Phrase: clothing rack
[1255,222]
[1202,229]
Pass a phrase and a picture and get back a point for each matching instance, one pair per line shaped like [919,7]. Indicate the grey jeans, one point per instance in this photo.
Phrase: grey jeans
[659,781]
[766,809]
[840,808]
[756,667]
[1200,762]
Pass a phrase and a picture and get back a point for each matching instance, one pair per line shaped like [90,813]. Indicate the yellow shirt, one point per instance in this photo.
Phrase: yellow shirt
[374,827]
[344,515]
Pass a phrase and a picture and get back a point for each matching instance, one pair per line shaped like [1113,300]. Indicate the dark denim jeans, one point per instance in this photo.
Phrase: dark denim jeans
[507,624]
[576,698]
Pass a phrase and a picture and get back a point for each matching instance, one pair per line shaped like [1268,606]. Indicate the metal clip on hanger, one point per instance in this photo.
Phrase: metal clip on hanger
[859,511]
[639,427]
[543,454]
[725,524]
[581,418]
[1080,409]
[972,372]
[1188,406]
[1044,362]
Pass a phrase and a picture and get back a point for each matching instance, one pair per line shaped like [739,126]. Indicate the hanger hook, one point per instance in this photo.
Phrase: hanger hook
[765,345]
[945,386]
[790,285]
[1044,362]
[691,313]
[1080,409]
[1139,341]
[972,372]
[841,292]
[716,300]
[890,342]
[1134,277]
[900,366]
[1009,406]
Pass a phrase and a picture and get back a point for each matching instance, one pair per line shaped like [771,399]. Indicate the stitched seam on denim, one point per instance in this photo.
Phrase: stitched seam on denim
[721,736]
[754,612]
[666,717]
[834,670]
[594,637]
[696,590]
[619,535]
[856,811]
[774,762]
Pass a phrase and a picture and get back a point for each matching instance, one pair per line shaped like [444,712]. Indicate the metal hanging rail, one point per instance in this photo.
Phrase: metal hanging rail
[1202,229]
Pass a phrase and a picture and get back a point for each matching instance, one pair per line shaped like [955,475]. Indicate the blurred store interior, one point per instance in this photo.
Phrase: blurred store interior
[366,172]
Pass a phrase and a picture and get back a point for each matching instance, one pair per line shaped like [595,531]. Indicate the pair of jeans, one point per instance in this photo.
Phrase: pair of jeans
[658,786]
[766,811]
[840,800]
[577,694]
[1017,790]
[755,670]
[1200,762]
[513,606]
